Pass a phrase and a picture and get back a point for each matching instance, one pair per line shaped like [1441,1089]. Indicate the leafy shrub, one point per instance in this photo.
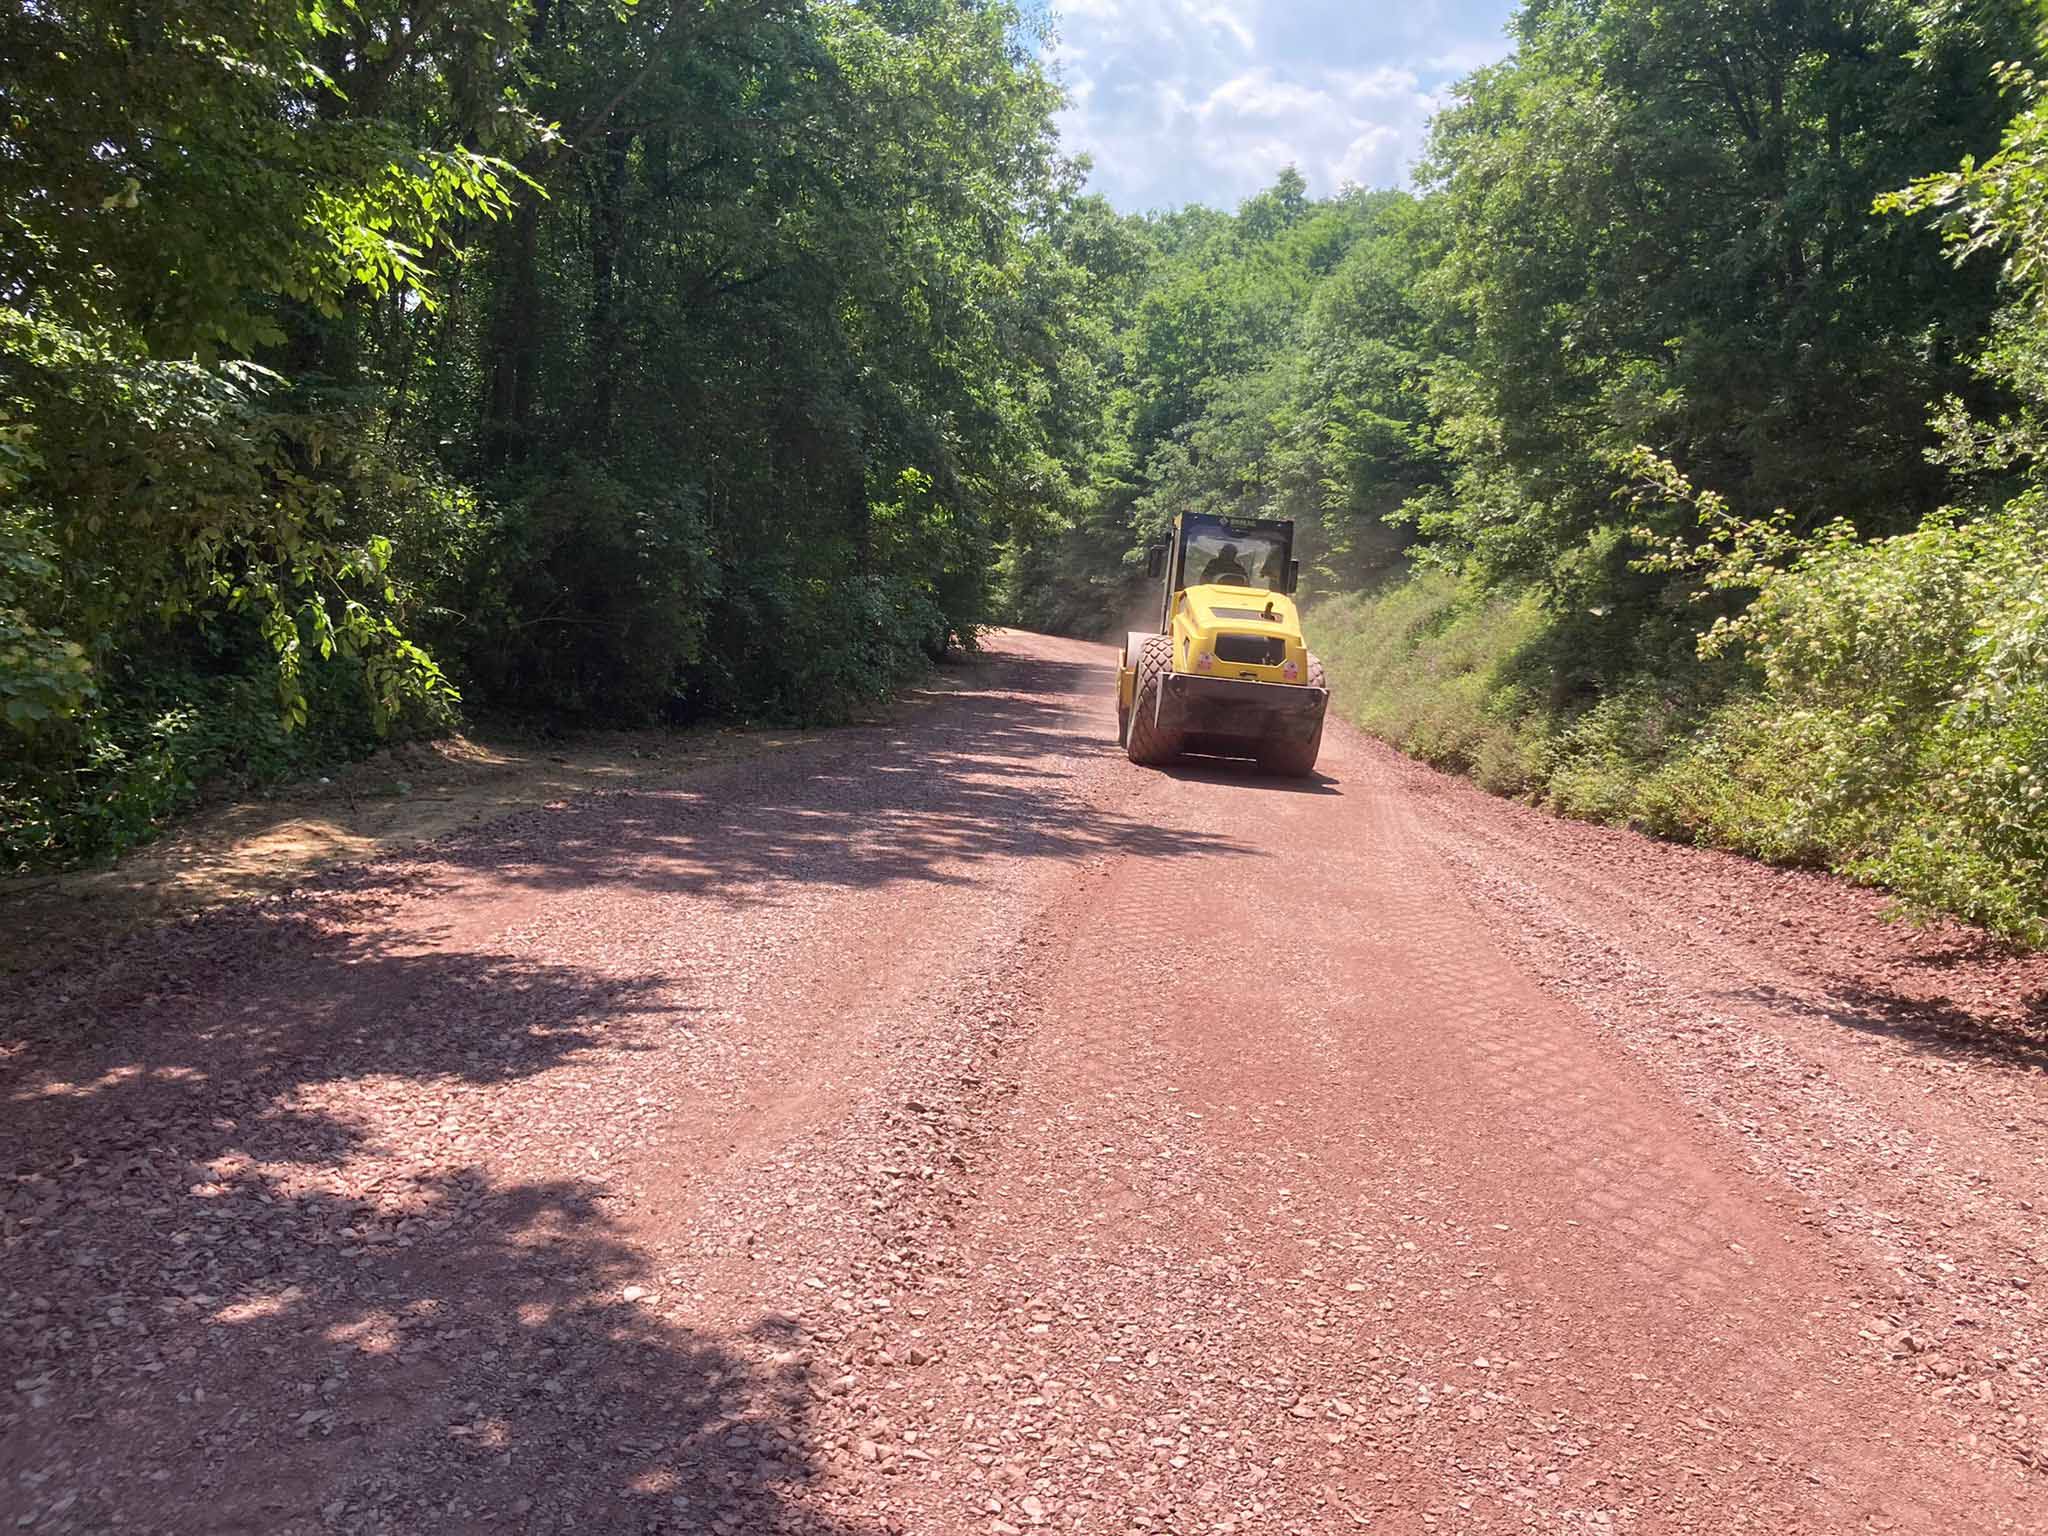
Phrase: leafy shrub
[588,598]
[1424,663]
[814,650]
[1895,727]
[852,645]
[1733,784]
[1915,669]
[144,492]
[595,598]
[152,743]
[198,581]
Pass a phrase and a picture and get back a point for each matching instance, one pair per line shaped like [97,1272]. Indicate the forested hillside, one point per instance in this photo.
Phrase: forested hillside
[621,362]
[1670,453]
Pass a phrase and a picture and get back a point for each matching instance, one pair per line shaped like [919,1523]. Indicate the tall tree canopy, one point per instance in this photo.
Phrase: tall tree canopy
[623,361]
[1650,226]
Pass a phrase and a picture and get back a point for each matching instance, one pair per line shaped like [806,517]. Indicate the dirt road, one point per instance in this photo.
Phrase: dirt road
[947,1127]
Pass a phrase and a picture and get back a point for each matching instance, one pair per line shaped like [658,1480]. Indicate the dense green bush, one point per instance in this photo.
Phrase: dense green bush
[812,650]
[1914,673]
[587,597]
[154,741]
[1895,727]
[201,580]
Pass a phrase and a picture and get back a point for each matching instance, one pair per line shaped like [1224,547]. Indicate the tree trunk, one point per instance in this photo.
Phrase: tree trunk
[515,342]
[607,333]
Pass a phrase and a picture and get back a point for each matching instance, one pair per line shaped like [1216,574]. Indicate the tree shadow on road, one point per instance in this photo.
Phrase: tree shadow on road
[233,1300]
[489,1376]
[1938,1026]
[281,1248]
[979,777]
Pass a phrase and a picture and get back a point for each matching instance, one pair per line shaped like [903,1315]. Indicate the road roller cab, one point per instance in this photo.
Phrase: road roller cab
[1226,671]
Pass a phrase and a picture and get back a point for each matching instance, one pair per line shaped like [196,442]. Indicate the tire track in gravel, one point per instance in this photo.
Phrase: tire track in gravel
[945,1128]
[1407,1248]
[1669,1221]
[1900,1129]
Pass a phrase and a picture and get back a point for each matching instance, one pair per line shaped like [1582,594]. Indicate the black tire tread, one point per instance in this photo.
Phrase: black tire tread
[1297,759]
[1146,744]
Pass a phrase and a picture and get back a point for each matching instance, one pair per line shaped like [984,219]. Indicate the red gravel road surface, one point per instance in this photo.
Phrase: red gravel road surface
[948,1127]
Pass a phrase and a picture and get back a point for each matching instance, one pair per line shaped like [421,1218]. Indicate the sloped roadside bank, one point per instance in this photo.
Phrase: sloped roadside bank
[1869,725]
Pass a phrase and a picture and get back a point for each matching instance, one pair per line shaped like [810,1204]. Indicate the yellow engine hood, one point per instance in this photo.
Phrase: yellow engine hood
[1243,610]
[1211,624]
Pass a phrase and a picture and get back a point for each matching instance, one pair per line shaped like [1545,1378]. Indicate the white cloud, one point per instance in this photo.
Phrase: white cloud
[1222,18]
[1473,53]
[1373,158]
[1389,82]
[1207,100]
[1256,93]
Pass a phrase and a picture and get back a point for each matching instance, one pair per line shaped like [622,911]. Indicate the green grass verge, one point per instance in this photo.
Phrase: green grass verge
[1877,733]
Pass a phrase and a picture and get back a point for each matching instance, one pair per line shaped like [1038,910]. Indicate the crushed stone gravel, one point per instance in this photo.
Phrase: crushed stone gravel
[943,1126]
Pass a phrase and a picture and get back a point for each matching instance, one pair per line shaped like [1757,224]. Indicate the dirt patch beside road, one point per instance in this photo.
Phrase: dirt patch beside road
[402,797]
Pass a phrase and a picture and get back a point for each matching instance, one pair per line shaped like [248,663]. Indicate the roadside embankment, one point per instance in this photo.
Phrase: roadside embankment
[1886,715]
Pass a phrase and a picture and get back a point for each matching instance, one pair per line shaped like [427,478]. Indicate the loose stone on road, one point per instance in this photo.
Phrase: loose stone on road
[945,1126]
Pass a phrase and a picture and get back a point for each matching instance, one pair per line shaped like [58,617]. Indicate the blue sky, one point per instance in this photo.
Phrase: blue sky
[1183,101]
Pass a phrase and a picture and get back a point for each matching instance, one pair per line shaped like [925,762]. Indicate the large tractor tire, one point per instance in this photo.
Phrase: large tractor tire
[1296,759]
[1144,742]
[1134,647]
